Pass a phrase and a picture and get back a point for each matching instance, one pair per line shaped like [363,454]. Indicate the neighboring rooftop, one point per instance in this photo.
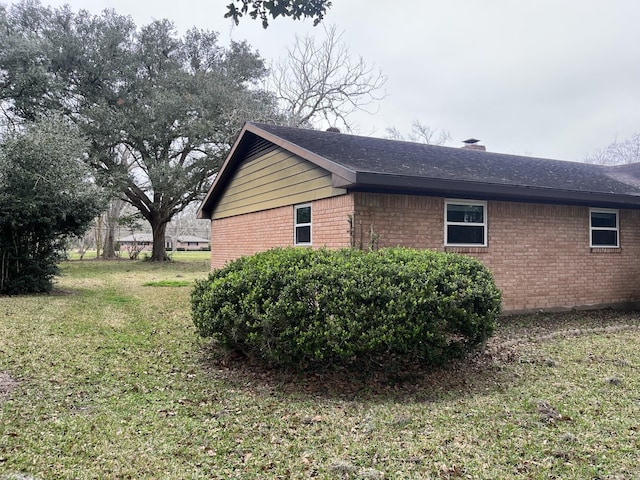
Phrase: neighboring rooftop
[148,238]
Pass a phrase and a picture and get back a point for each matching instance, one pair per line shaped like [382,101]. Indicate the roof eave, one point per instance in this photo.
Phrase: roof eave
[205,210]
[479,190]
[322,162]
[339,172]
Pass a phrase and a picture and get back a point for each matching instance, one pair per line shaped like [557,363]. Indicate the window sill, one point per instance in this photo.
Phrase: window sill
[606,250]
[454,249]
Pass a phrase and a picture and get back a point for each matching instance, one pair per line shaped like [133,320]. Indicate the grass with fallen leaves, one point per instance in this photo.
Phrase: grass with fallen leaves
[106,378]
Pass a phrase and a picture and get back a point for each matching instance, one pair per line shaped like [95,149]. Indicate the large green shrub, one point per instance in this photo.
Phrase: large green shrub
[303,307]
[46,197]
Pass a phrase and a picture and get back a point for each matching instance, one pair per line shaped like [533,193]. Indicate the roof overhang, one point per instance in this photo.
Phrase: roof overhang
[353,180]
[374,182]
[339,173]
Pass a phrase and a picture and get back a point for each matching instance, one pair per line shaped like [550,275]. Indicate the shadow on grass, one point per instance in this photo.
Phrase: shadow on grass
[397,382]
[487,371]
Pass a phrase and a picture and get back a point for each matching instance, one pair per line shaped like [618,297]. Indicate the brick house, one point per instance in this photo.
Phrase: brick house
[144,242]
[190,243]
[555,234]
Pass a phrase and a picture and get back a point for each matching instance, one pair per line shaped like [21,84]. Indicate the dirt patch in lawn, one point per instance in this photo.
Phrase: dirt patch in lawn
[7,385]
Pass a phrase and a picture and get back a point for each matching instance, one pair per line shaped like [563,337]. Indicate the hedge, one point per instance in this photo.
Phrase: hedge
[299,307]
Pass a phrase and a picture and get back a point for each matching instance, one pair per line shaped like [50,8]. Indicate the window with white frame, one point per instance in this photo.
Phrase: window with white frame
[465,223]
[302,224]
[604,228]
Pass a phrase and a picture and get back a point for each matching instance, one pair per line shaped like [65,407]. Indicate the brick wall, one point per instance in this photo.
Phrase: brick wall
[330,221]
[399,220]
[541,259]
[539,254]
[250,233]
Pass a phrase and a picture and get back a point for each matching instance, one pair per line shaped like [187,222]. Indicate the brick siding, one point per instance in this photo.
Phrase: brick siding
[330,221]
[398,220]
[539,254]
[541,259]
[250,233]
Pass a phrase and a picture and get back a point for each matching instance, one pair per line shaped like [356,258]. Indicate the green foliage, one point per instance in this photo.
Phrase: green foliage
[102,387]
[161,109]
[262,9]
[45,198]
[303,307]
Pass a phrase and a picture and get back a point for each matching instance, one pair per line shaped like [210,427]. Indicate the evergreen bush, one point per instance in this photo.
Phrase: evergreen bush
[304,308]
[46,197]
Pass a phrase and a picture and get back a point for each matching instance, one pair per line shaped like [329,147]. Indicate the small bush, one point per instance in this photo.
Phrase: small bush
[303,307]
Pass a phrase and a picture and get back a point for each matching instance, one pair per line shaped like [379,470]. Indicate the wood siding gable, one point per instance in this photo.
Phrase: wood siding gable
[274,179]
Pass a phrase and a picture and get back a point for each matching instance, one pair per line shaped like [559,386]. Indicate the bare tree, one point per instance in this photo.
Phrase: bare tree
[318,81]
[420,133]
[83,243]
[124,158]
[618,152]
[111,219]
[131,222]
[186,223]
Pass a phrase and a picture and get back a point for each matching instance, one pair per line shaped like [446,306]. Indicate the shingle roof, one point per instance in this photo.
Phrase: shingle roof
[367,163]
[391,157]
[192,239]
[140,237]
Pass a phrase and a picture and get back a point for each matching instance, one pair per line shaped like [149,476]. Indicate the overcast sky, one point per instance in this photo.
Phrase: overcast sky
[548,78]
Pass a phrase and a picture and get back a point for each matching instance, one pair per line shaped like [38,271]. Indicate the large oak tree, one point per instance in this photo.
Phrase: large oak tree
[172,103]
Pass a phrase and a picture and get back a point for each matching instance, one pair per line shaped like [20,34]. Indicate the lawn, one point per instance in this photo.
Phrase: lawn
[106,378]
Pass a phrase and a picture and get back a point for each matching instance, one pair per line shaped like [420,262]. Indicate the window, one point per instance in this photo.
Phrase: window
[465,223]
[603,226]
[302,224]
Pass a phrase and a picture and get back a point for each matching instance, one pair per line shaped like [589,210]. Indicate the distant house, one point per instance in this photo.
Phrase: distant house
[189,242]
[556,234]
[144,242]
[140,241]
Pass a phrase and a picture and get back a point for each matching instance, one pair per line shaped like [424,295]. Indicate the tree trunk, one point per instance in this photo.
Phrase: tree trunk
[112,215]
[159,253]
[109,246]
[98,236]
